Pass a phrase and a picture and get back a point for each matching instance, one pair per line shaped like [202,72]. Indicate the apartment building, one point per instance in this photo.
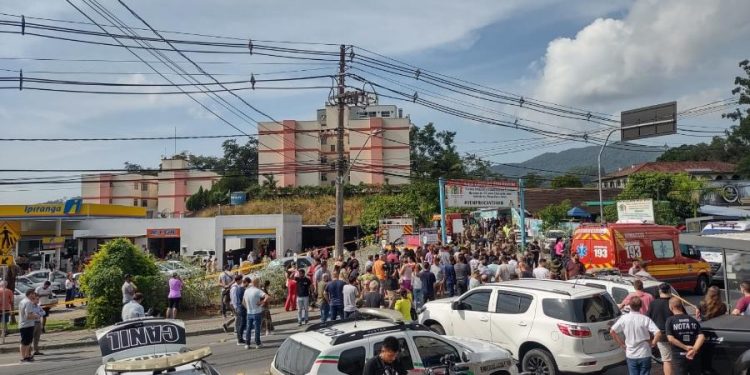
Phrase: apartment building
[303,153]
[163,194]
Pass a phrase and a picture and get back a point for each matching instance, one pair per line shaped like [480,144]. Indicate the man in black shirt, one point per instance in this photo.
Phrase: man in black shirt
[684,333]
[387,361]
[303,296]
[659,312]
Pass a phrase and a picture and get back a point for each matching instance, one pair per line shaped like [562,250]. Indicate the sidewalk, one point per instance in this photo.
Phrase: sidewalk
[86,337]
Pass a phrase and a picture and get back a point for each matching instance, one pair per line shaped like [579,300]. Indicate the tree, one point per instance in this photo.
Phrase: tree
[132,167]
[433,155]
[566,181]
[554,214]
[104,275]
[418,200]
[734,147]
[532,180]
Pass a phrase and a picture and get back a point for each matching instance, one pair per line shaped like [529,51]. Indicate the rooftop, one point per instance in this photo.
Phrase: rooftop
[690,167]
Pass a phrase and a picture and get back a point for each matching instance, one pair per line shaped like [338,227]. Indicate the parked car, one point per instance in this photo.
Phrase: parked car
[164,351]
[20,293]
[549,326]
[173,266]
[619,286]
[726,350]
[343,347]
[57,278]
[286,263]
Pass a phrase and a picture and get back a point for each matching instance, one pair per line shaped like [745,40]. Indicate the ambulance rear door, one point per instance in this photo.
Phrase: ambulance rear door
[595,247]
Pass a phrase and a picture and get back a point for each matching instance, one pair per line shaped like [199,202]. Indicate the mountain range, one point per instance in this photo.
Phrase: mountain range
[581,161]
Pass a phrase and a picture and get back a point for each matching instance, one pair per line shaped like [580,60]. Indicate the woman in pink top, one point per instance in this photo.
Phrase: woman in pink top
[175,295]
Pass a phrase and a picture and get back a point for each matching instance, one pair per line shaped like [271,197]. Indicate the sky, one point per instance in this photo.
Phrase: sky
[598,56]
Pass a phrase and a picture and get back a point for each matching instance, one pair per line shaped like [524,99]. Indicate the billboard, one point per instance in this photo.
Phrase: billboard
[475,194]
[635,211]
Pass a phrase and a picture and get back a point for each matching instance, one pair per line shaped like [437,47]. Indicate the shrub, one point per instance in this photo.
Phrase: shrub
[103,277]
[199,292]
[277,277]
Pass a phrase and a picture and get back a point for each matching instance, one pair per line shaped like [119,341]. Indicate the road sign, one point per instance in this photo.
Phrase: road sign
[6,260]
[10,232]
[646,122]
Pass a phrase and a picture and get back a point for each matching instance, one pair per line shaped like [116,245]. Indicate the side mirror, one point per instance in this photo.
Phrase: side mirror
[456,305]
[465,356]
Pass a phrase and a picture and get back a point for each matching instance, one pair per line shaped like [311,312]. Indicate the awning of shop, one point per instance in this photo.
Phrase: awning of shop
[253,233]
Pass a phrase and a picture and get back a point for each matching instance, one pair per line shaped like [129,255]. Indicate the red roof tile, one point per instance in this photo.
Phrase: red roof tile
[690,167]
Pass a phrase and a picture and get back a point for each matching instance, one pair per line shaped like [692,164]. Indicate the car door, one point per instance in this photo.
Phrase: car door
[472,318]
[406,355]
[431,350]
[512,319]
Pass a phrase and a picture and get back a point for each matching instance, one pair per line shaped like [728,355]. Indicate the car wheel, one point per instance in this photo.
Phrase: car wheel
[702,286]
[437,328]
[539,361]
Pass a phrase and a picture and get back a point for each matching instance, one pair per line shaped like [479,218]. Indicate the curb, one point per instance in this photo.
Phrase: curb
[90,341]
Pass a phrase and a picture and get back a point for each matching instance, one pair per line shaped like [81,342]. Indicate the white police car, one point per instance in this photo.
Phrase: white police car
[343,347]
[150,346]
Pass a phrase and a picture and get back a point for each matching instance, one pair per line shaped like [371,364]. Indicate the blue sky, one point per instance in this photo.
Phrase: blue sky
[604,56]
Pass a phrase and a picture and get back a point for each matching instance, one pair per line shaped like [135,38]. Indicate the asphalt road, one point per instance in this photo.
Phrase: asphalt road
[228,358]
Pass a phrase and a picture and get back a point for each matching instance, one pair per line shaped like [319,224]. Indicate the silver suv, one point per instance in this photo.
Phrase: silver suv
[548,326]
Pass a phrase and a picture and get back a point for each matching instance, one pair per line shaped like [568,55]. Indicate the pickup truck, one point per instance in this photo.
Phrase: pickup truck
[726,350]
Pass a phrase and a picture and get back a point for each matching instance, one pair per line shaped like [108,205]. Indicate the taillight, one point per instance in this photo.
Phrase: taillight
[573,330]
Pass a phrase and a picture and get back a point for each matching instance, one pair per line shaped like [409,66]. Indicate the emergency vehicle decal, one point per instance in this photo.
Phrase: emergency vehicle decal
[327,359]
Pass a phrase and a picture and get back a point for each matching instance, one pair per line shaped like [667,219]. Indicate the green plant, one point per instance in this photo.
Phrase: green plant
[277,289]
[199,292]
[103,277]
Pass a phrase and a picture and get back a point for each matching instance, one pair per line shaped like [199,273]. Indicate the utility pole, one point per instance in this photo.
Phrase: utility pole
[340,168]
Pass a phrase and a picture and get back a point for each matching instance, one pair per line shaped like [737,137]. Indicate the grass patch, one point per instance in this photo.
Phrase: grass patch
[53,325]
[314,210]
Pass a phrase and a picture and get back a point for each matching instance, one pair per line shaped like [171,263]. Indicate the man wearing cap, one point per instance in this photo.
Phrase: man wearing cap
[659,312]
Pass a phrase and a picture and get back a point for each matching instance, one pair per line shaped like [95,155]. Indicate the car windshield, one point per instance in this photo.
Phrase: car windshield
[597,308]
[295,358]
[39,277]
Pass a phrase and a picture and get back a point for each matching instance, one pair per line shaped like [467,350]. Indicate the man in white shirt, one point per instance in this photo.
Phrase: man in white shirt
[26,318]
[254,299]
[133,309]
[350,298]
[641,334]
[44,293]
[128,289]
[541,271]
[503,271]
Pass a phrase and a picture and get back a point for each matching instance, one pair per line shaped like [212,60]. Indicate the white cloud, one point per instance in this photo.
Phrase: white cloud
[660,48]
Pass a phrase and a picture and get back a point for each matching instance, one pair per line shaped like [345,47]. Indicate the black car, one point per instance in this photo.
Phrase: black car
[727,347]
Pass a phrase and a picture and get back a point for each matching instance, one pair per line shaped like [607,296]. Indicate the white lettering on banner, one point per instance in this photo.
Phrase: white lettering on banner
[600,251]
[464,193]
[148,335]
[633,249]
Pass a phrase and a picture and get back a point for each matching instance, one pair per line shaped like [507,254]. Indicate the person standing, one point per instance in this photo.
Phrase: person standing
[378,268]
[253,300]
[38,328]
[462,275]
[711,306]
[128,289]
[743,304]
[44,291]
[6,307]
[574,268]
[174,296]
[503,271]
[559,248]
[646,298]
[428,282]
[641,334]
[684,333]
[418,292]
[541,272]
[387,362]
[303,297]
[133,309]
[26,318]
[335,296]
[236,291]
[291,291]
[325,308]
[350,297]
[659,312]
[475,280]
[449,277]
[70,289]
[267,321]
[225,282]
[373,298]
[403,304]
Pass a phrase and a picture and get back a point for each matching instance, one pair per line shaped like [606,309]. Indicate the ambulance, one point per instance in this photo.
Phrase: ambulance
[656,246]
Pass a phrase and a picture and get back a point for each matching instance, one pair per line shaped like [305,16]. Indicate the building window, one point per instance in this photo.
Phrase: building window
[144,203]
[333,166]
[333,148]
[135,186]
[135,202]
[323,178]
[323,140]
[372,114]
[323,159]
[111,184]
[144,186]
[385,114]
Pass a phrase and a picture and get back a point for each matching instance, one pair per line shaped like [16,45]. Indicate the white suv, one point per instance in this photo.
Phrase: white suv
[343,347]
[549,326]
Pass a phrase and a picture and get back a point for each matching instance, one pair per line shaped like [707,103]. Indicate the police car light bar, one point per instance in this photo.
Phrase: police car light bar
[158,364]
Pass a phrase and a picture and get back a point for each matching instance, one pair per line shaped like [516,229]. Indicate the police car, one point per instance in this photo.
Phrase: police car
[150,346]
[343,347]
